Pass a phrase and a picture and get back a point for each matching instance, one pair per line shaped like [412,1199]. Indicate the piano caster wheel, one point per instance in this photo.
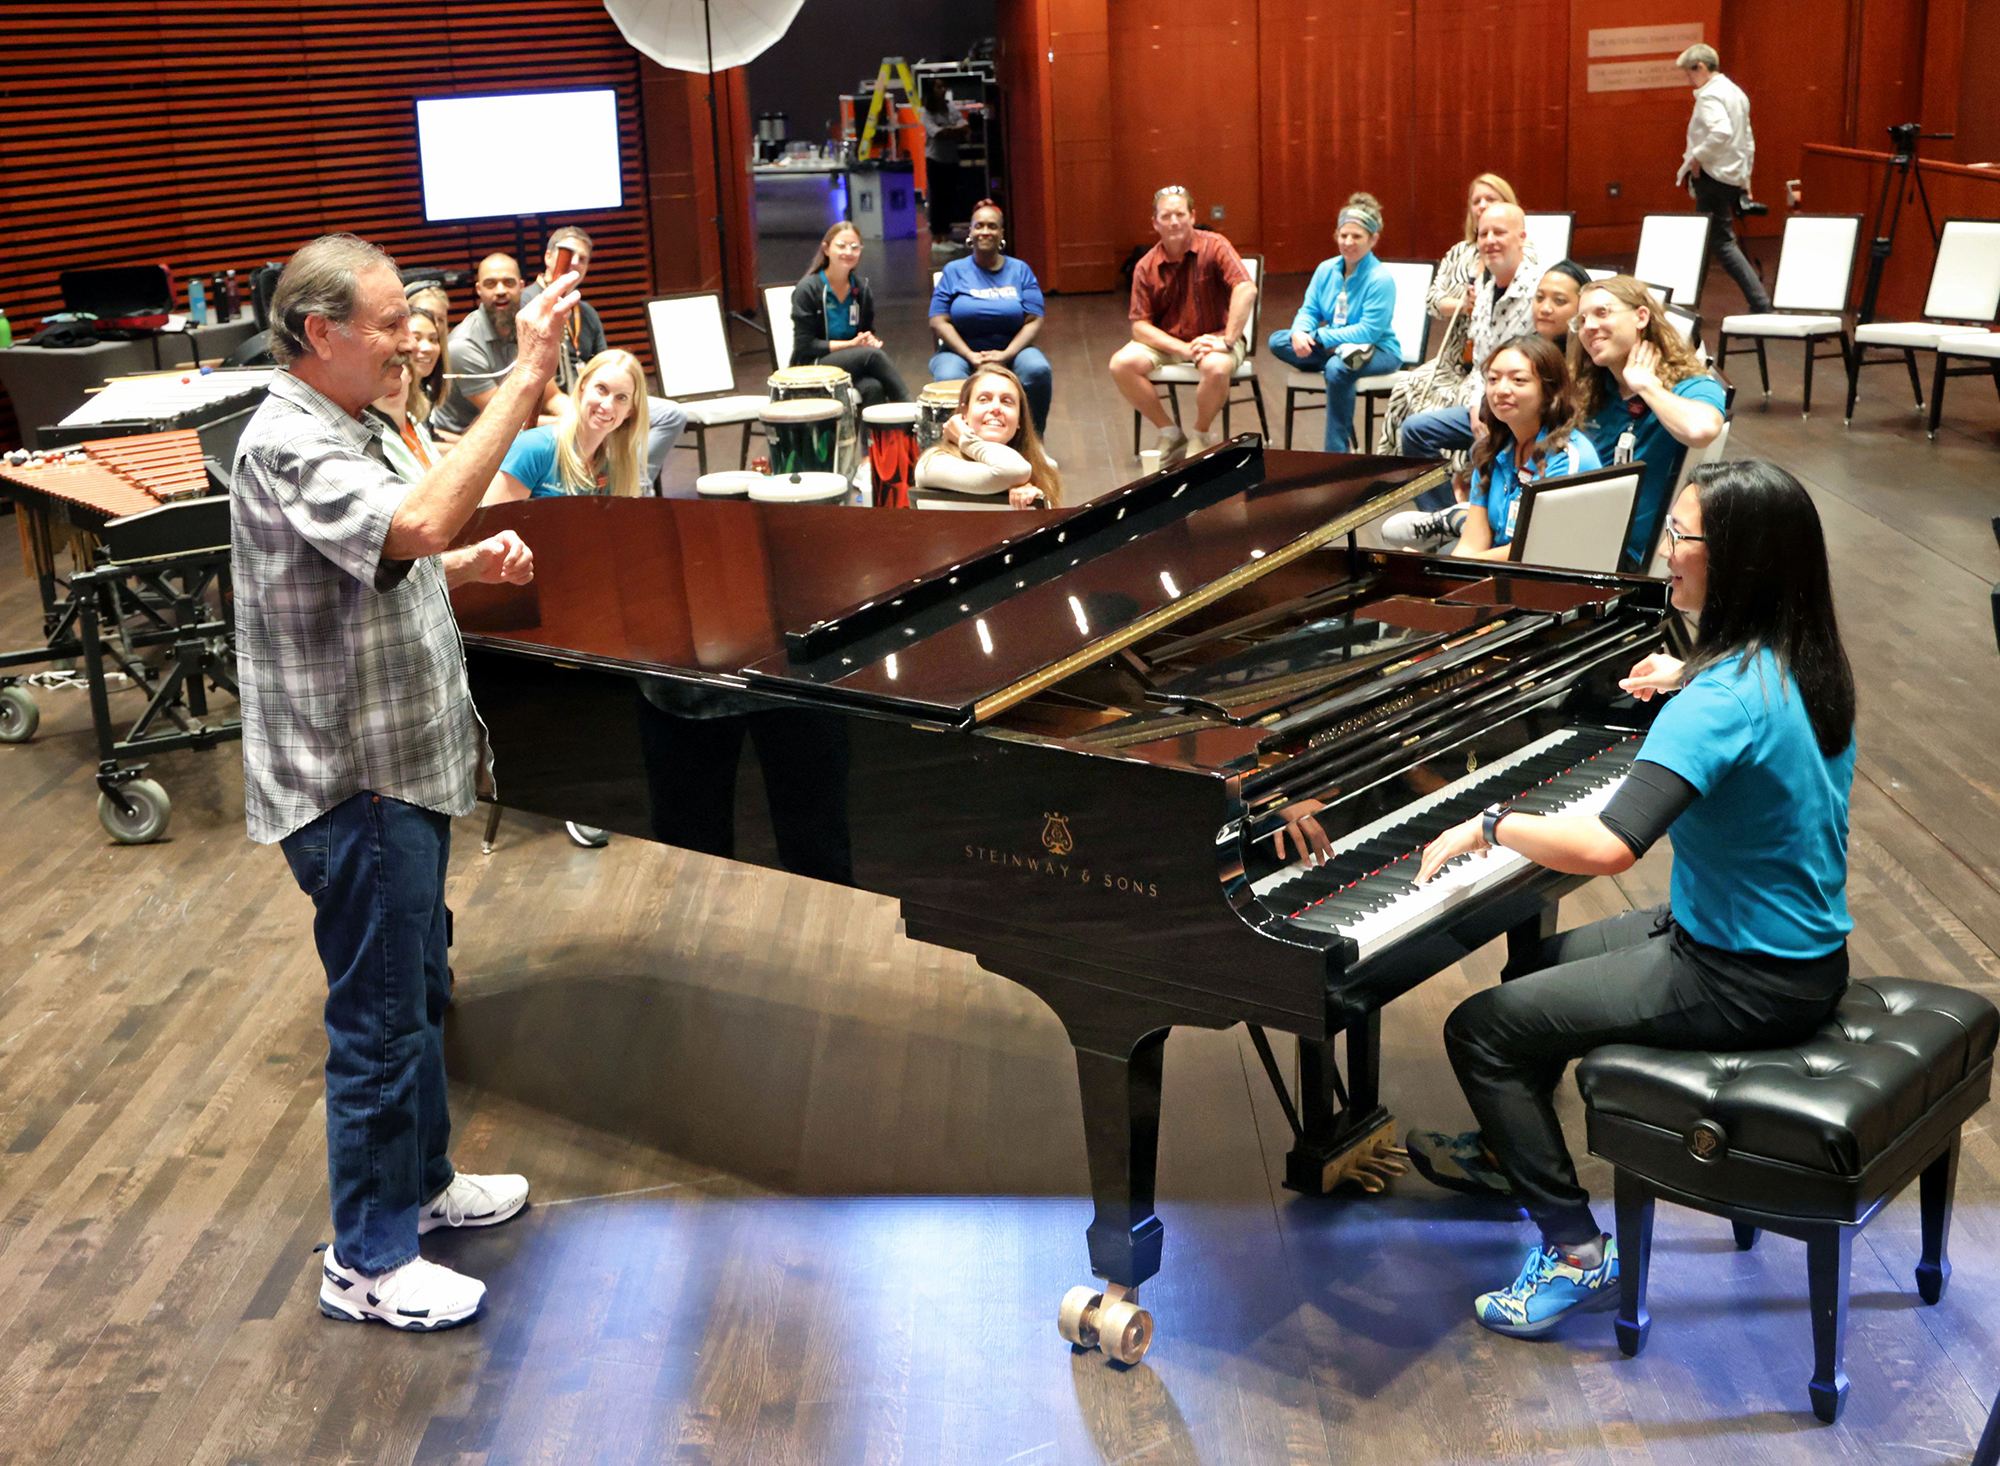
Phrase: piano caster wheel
[145,817]
[1107,1320]
[19,716]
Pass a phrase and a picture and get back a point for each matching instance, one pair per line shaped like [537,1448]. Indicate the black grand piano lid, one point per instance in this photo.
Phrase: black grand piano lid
[926,613]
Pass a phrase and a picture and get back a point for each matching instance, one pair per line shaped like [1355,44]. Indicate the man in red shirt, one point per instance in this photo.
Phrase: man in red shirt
[1191,301]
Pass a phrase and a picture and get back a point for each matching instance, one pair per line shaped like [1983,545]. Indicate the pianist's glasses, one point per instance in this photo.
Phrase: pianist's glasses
[1677,539]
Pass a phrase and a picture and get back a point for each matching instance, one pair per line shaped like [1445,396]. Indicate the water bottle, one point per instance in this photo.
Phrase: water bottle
[6,331]
[197,304]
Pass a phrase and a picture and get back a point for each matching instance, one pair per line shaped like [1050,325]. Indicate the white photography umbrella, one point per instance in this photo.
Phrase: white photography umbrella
[700,36]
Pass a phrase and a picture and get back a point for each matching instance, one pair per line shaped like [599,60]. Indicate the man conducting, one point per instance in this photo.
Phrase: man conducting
[1191,299]
[360,742]
[1716,166]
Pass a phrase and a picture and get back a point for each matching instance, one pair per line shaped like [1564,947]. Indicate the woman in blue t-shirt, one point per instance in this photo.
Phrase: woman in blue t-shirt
[1523,435]
[1749,767]
[597,446]
[988,307]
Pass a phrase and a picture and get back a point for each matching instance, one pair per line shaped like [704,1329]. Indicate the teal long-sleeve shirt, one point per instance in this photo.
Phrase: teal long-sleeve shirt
[1371,304]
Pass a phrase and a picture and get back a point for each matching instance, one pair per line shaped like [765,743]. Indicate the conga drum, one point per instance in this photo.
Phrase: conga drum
[935,406]
[733,483]
[804,434]
[800,488]
[892,451]
[793,384]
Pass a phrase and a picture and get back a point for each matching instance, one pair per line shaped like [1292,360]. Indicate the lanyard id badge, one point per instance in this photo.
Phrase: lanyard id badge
[1628,440]
[1340,309]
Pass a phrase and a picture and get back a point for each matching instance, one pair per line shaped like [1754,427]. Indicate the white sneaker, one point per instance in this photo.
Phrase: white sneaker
[1173,447]
[587,836]
[473,1201]
[419,1295]
[1199,442]
[1423,529]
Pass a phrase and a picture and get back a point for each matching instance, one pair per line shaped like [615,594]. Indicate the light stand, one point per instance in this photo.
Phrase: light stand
[1904,137]
[715,152]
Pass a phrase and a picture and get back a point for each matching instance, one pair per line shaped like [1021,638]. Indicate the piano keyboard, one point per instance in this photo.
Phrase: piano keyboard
[1366,890]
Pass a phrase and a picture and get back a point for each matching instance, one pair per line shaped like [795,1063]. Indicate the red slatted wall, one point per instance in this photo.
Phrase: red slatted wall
[218,134]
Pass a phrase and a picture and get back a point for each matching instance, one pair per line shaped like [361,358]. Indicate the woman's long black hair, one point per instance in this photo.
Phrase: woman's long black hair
[1768,589]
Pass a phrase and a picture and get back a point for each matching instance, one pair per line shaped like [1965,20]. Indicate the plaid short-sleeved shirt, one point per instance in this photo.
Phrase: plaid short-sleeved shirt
[351,672]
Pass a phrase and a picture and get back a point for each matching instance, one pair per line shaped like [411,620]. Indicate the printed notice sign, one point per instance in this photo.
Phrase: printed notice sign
[1634,76]
[1643,40]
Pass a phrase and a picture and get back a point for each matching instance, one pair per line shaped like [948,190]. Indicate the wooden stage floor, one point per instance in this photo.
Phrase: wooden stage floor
[806,1191]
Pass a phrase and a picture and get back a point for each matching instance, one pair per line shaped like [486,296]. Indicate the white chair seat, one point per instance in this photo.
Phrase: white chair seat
[1187,374]
[712,412]
[1386,382]
[1305,382]
[1794,328]
[1984,344]
[1314,382]
[1922,335]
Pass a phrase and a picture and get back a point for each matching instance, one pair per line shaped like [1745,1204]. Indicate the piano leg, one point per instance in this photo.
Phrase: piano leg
[1120,1084]
[1344,1133]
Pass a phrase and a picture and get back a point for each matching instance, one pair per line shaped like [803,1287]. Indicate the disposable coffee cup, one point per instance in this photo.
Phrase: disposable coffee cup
[1149,462]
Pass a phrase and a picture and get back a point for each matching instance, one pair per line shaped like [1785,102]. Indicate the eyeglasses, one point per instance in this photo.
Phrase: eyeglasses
[1676,539]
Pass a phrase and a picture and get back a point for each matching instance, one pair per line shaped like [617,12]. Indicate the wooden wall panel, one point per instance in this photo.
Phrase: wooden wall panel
[1184,93]
[1792,60]
[1082,215]
[1889,70]
[1631,139]
[1023,27]
[217,134]
[1487,97]
[1334,91]
[681,182]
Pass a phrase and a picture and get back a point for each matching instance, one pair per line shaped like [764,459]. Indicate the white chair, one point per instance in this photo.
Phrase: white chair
[1964,296]
[691,345]
[1579,521]
[1673,252]
[1597,274]
[1815,268]
[1983,347]
[1688,324]
[778,316]
[1179,374]
[1412,325]
[1549,234]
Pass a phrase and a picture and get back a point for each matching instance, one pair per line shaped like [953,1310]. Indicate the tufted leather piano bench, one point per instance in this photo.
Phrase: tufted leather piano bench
[1809,1142]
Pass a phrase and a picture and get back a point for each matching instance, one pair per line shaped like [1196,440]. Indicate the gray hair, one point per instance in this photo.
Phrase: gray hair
[1698,55]
[322,279]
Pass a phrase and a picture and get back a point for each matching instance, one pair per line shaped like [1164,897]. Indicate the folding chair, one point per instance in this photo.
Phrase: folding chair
[1578,521]
[1549,234]
[778,316]
[1179,374]
[691,345]
[1815,268]
[1412,325]
[1983,348]
[1963,298]
[1673,253]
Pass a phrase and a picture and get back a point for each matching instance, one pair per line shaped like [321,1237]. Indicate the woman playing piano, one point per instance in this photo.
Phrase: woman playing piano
[1748,767]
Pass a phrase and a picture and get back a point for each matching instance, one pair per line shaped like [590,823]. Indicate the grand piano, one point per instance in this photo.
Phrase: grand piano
[1068,738]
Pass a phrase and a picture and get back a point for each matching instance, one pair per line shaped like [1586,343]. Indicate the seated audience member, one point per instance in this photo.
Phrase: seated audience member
[990,446]
[1525,416]
[1749,768]
[988,307]
[429,295]
[598,447]
[429,362]
[1191,300]
[1502,308]
[832,312]
[585,342]
[1440,382]
[1345,328]
[482,345]
[1643,395]
[394,416]
[1556,298]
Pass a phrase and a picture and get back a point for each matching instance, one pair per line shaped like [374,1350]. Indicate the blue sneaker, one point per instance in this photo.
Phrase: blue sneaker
[1548,1291]
[1457,1163]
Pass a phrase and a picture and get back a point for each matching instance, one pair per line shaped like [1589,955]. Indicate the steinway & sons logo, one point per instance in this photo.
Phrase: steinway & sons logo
[1058,842]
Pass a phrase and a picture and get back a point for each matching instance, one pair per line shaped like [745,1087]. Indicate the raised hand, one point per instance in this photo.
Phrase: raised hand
[538,329]
[1642,367]
[1656,673]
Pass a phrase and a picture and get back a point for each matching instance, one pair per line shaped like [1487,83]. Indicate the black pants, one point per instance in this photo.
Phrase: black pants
[1635,978]
[875,376]
[1719,201]
[691,784]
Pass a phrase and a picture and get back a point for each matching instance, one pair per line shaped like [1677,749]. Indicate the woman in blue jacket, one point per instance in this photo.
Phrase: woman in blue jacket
[1346,328]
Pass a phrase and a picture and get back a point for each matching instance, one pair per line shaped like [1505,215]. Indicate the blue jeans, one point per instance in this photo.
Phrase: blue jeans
[666,418]
[374,867]
[1340,379]
[1433,434]
[1037,380]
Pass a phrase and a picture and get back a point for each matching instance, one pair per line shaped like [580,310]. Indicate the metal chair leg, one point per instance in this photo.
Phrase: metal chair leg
[1805,406]
[1937,394]
[1763,366]
[1916,382]
[1264,423]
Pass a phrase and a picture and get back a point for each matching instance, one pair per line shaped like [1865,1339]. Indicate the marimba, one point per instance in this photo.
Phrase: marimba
[147,537]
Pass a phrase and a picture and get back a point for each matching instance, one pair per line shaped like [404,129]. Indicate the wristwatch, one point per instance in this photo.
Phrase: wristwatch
[1489,822]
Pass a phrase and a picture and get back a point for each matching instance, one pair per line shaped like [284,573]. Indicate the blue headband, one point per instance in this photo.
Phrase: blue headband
[1371,222]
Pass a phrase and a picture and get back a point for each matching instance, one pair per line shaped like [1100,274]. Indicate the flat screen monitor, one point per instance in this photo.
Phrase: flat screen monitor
[518,153]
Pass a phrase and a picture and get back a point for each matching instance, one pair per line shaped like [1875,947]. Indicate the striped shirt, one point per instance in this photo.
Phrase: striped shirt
[349,666]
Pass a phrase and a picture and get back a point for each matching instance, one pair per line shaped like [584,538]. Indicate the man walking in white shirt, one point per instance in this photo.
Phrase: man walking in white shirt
[1716,167]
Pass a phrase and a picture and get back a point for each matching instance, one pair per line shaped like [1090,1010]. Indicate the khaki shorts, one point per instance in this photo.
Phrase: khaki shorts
[1161,359]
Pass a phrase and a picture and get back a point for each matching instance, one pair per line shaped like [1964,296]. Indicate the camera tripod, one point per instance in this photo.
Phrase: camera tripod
[1895,179]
